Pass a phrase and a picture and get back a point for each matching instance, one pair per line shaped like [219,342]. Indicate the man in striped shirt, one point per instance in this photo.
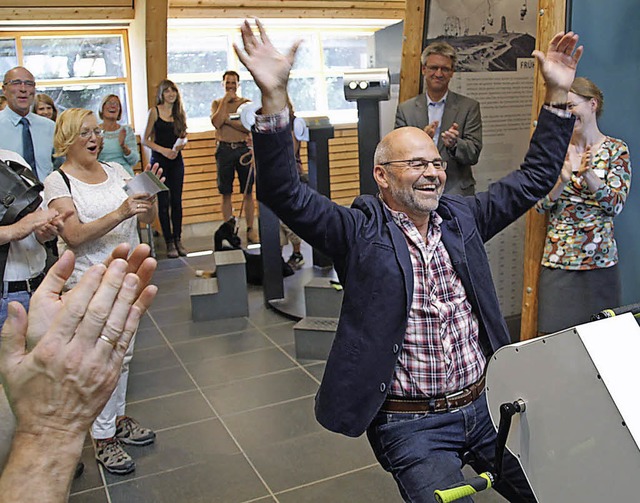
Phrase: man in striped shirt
[420,315]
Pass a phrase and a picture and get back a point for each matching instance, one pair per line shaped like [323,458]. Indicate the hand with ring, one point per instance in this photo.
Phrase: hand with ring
[70,371]
[106,339]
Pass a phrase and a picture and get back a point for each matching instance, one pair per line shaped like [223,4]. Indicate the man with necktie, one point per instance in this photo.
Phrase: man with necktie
[21,130]
[25,133]
[451,119]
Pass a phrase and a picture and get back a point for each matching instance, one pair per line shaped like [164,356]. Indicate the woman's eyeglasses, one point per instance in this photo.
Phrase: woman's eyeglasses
[86,133]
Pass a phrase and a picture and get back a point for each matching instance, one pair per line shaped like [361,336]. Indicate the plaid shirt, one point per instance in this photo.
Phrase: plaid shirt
[441,353]
[271,123]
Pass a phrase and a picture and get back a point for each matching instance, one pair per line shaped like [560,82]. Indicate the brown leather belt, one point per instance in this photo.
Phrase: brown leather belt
[437,404]
[233,144]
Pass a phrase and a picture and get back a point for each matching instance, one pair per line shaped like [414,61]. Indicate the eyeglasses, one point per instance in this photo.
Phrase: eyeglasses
[419,166]
[444,69]
[573,106]
[86,133]
[18,82]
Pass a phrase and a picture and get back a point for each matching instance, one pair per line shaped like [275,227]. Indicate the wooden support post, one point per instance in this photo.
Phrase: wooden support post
[412,35]
[551,19]
[156,45]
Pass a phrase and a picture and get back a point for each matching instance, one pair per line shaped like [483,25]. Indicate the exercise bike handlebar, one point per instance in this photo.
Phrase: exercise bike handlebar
[465,488]
[487,479]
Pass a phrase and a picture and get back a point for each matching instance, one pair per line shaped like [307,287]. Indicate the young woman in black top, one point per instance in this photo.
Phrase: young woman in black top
[166,124]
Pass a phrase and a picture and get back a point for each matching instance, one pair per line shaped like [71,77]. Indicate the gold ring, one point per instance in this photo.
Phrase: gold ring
[107,340]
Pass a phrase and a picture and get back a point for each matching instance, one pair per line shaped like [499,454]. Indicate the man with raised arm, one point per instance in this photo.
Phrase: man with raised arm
[420,316]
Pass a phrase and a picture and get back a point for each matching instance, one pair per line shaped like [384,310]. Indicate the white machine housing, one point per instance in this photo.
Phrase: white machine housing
[579,437]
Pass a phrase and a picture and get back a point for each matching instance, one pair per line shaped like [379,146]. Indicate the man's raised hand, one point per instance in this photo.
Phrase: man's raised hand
[559,65]
[269,68]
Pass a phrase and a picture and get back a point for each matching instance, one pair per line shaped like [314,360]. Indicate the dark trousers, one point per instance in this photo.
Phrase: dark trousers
[170,203]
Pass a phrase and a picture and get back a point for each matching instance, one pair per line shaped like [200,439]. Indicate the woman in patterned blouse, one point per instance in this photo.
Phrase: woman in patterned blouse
[579,275]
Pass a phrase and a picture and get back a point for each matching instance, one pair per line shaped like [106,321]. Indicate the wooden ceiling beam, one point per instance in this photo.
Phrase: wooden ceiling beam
[65,13]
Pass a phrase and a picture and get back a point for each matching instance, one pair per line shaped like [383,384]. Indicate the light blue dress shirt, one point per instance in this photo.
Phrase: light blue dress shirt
[41,135]
[436,111]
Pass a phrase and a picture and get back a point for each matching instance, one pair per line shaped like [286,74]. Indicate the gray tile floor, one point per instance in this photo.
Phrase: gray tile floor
[233,411]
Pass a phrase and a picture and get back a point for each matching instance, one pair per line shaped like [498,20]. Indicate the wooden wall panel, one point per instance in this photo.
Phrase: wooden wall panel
[363,9]
[201,201]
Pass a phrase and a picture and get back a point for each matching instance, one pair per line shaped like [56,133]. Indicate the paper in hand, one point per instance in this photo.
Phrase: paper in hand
[179,143]
[144,183]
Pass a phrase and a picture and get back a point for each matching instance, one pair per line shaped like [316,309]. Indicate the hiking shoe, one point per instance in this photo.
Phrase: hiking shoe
[113,457]
[296,261]
[182,251]
[172,252]
[129,432]
[252,236]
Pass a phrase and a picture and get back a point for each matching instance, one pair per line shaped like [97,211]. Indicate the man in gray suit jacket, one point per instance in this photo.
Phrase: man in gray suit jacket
[451,119]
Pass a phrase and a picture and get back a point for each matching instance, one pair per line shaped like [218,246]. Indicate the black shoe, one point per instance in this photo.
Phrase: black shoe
[296,261]
[79,470]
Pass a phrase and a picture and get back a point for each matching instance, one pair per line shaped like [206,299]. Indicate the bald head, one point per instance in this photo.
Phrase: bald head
[19,88]
[17,72]
[399,143]
[407,179]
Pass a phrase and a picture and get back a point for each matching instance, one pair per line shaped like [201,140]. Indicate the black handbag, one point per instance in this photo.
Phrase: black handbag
[19,196]
[19,192]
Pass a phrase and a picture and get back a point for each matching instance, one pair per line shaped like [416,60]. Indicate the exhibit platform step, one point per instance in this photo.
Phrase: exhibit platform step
[323,298]
[314,336]
[224,296]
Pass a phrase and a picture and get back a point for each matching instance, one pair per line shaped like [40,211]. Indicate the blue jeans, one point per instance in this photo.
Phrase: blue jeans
[425,452]
[23,297]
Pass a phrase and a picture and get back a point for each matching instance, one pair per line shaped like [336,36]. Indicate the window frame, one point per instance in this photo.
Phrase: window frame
[70,33]
[312,29]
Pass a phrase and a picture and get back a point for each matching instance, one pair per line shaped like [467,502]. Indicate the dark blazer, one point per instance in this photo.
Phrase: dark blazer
[372,260]
[466,113]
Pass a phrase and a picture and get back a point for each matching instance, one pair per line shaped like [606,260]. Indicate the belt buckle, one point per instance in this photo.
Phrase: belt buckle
[447,399]
[449,408]
[31,282]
